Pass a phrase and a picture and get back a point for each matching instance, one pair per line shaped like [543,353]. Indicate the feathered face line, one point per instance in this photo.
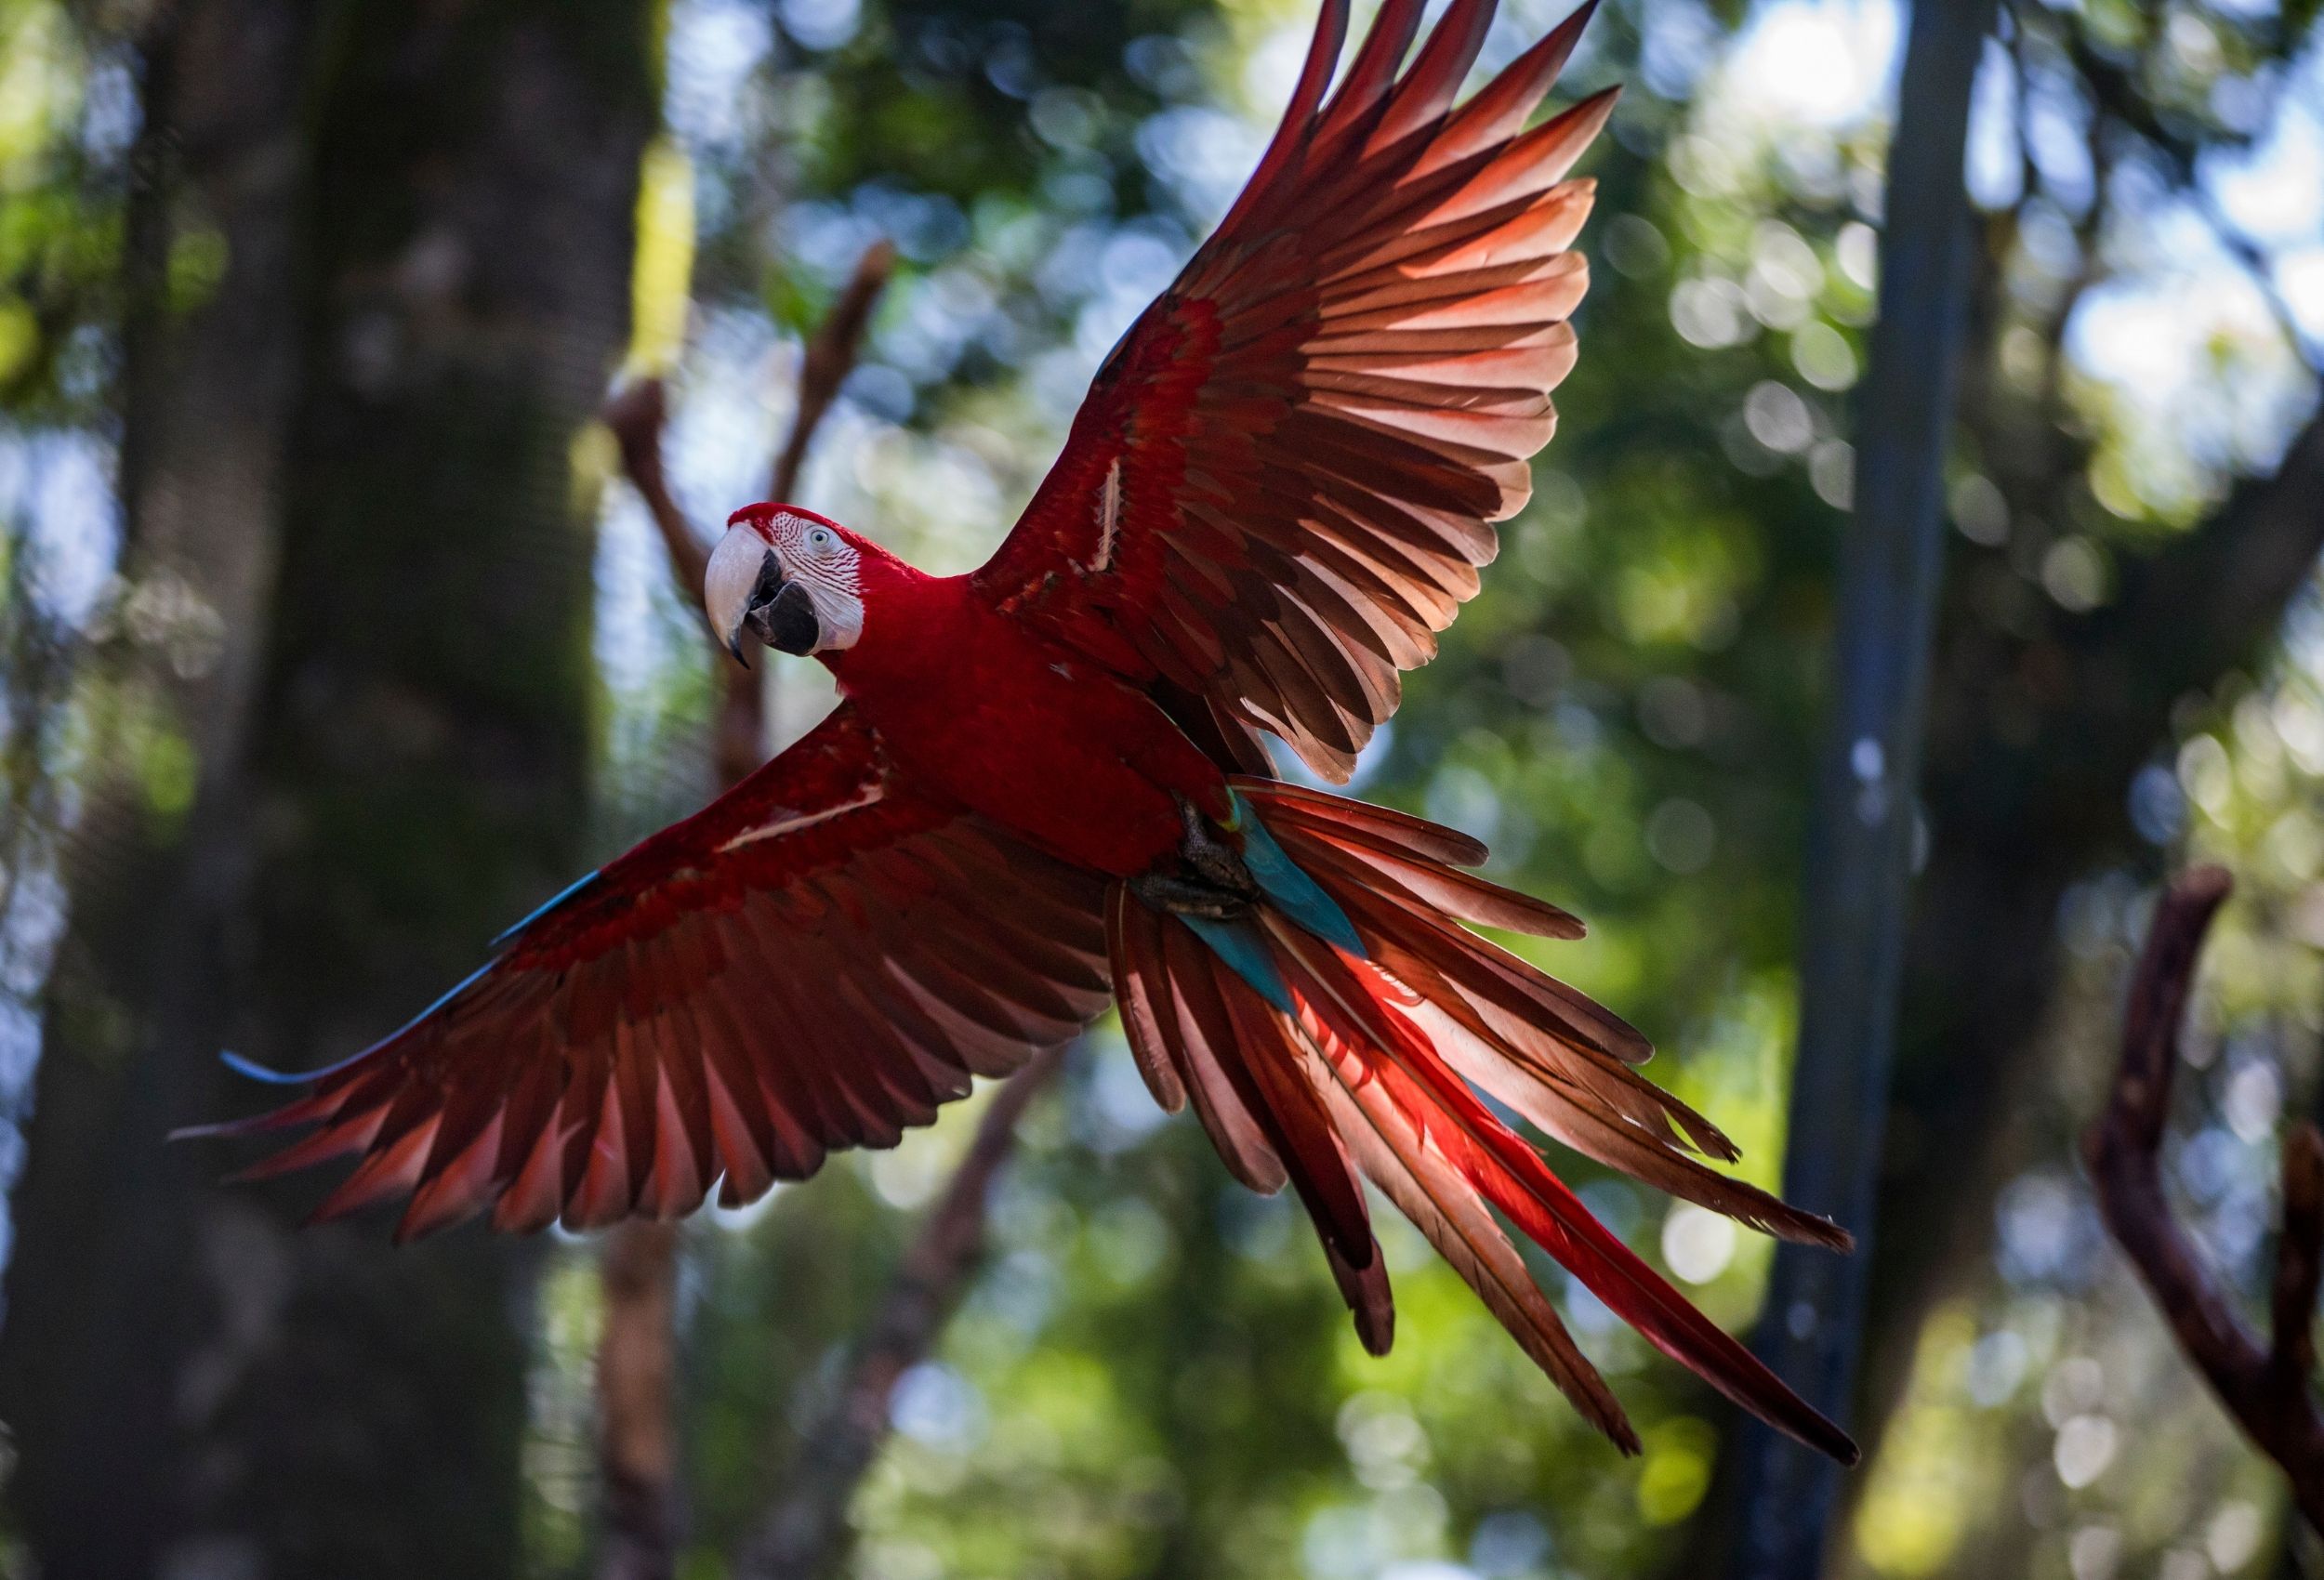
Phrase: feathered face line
[788,578]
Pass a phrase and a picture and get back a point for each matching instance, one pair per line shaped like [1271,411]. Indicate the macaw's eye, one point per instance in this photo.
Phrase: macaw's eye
[820,538]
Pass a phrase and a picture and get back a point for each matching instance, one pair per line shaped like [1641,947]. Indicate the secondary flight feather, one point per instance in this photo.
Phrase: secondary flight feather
[1045,788]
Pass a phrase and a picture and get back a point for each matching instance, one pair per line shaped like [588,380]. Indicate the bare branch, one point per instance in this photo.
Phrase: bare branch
[2267,1388]
[638,1268]
[637,416]
[829,358]
[2262,269]
[805,1533]
[2116,89]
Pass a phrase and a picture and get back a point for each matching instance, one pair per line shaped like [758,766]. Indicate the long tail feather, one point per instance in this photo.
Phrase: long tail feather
[1397,1156]
[1515,1179]
[1198,1028]
[1362,1047]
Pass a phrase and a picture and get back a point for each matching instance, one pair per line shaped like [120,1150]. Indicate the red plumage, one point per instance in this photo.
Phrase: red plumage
[1047,784]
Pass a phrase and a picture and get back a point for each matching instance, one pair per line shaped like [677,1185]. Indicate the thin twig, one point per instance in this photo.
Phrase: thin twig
[805,1533]
[2267,1388]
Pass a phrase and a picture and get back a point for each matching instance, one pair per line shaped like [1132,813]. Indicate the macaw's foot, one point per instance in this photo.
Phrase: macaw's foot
[1209,879]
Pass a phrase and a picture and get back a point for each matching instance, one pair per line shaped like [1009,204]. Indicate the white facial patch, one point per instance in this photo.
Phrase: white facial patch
[827,567]
[820,562]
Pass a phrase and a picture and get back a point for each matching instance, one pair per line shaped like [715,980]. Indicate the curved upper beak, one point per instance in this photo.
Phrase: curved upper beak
[737,565]
[745,589]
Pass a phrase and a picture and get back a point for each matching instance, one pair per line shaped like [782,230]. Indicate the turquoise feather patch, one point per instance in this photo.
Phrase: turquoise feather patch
[1294,893]
[1237,942]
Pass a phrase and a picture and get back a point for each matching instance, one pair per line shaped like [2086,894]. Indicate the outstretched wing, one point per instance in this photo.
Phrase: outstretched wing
[1278,488]
[816,960]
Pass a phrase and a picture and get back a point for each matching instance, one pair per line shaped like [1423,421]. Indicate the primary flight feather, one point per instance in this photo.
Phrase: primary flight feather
[1046,789]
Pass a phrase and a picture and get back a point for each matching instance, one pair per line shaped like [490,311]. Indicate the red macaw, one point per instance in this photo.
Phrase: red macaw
[1045,786]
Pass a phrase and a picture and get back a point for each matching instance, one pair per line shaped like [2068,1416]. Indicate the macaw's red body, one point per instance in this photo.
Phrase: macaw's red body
[1045,787]
[976,707]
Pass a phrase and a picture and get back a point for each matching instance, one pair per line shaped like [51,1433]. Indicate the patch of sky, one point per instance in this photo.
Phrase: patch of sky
[715,48]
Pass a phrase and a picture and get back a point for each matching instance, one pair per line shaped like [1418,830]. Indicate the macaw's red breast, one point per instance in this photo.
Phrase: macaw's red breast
[1034,737]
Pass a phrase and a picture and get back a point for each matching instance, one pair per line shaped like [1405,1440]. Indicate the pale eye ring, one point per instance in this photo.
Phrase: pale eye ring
[820,537]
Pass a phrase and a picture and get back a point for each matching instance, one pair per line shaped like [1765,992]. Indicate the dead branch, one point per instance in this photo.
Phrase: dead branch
[636,1363]
[805,1533]
[2266,1387]
[637,416]
[829,358]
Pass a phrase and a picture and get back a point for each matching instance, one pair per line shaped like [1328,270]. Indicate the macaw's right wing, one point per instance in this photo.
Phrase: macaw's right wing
[816,960]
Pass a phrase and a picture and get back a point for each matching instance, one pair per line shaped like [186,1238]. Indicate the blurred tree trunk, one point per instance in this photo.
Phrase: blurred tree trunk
[99,1280]
[1858,885]
[2038,721]
[425,218]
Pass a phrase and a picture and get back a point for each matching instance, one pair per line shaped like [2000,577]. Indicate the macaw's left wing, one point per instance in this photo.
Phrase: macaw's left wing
[1278,488]
[816,960]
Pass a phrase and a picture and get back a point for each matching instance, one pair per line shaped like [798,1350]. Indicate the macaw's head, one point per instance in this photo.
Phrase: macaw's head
[791,579]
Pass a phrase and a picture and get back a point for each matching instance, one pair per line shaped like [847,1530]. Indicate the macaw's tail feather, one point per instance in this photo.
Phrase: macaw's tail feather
[1316,1063]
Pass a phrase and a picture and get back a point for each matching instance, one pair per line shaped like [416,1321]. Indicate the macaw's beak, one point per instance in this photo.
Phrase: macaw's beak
[745,589]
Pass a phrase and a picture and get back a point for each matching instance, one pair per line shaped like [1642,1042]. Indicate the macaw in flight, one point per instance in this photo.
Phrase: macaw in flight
[1045,787]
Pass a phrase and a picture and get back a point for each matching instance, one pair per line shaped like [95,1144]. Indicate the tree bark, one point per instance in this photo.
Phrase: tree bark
[1858,885]
[414,324]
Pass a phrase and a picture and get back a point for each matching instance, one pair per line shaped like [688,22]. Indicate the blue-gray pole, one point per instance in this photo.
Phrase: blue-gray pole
[1858,881]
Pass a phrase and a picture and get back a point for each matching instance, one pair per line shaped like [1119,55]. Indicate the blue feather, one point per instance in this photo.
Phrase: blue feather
[1294,893]
[575,887]
[1237,942]
[257,1072]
